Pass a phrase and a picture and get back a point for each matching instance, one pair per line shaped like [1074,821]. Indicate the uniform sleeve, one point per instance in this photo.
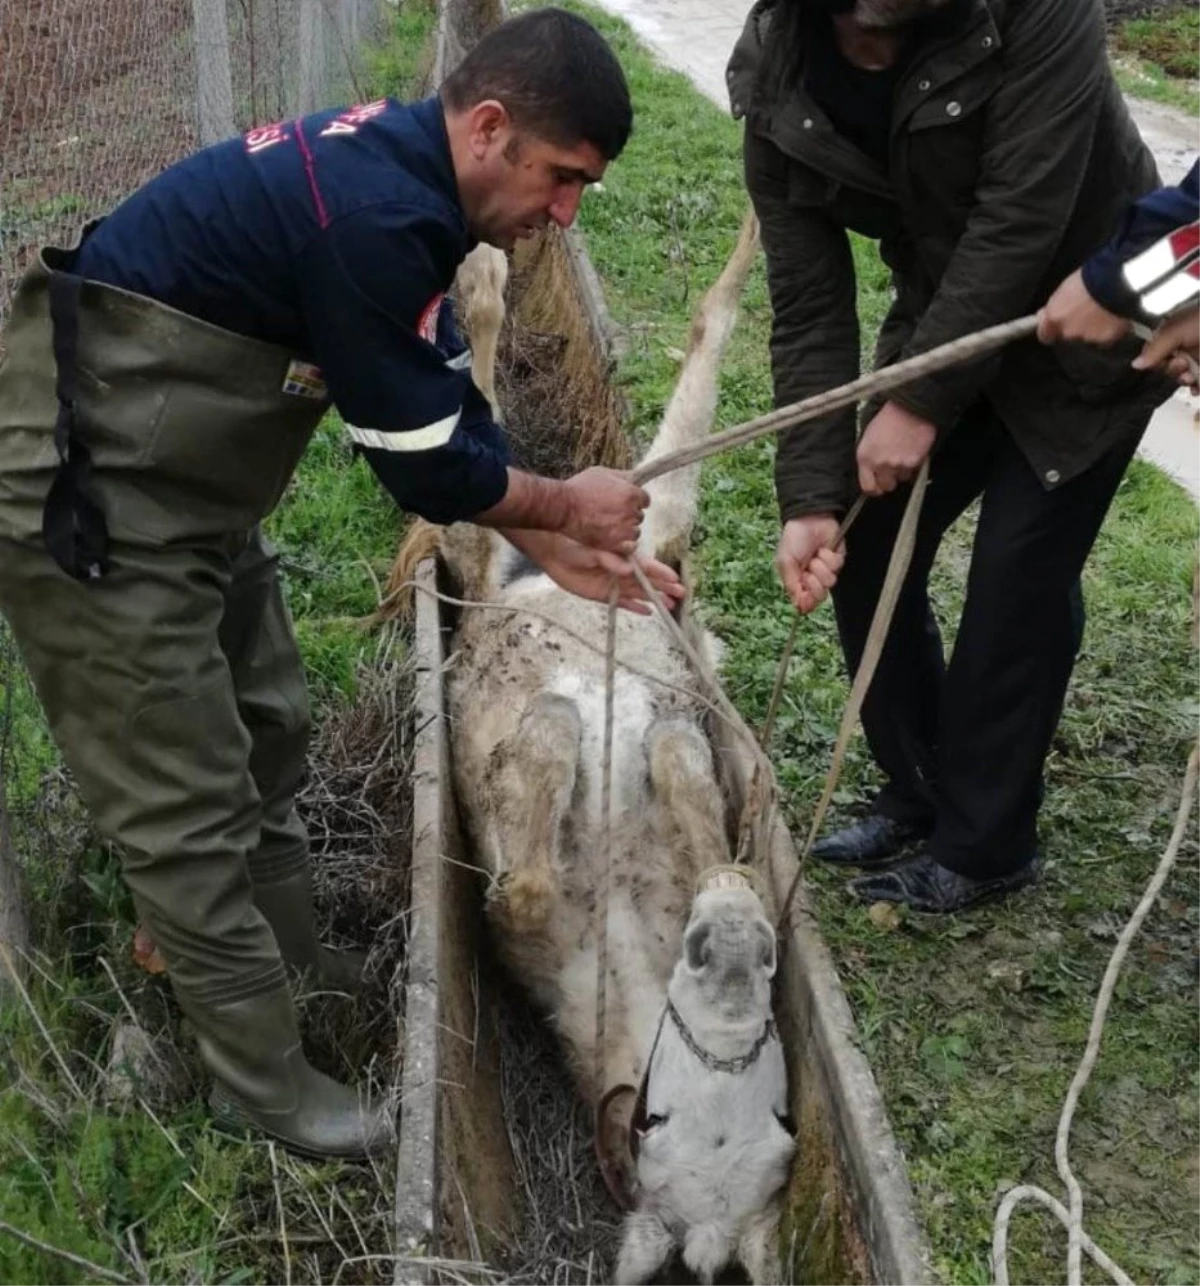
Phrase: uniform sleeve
[1155,216]
[371,291]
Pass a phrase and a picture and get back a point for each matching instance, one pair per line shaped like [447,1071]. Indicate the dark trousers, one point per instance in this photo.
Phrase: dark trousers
[963,743]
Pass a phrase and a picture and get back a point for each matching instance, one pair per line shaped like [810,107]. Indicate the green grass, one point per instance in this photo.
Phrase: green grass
[1158,57]
[398,64]
[973,1026]
[1141,79]
[146,1189]
[155,1196]
[337,531]
[1169,40]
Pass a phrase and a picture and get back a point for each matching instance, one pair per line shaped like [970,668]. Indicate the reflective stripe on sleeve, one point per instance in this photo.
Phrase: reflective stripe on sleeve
[427,438]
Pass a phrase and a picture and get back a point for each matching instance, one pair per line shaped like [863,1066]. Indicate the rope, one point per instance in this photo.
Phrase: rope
[866,386]
[889,595]
[610,667]
[1073,1218]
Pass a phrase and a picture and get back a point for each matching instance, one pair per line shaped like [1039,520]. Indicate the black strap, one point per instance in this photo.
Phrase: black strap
[639,1123]
[73,524]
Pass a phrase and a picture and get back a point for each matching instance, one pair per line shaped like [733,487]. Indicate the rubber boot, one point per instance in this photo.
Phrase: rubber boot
[287,906]
[262,1081]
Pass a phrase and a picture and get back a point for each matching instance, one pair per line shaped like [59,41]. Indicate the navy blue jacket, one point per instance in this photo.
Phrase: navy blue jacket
[335,235]
[1155,216]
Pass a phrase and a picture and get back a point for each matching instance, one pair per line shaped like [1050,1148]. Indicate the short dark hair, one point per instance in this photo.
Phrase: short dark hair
[556,76]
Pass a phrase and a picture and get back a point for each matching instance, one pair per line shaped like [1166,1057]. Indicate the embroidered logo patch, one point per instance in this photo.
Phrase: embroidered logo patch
[265,136]
[303,379]
[347,122]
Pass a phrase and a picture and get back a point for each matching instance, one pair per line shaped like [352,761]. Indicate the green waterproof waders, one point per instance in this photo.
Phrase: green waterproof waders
[139,449]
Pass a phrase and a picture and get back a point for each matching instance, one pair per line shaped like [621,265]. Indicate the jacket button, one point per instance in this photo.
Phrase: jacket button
[954,108]
[923,84]
[808,122]
[1052,476]
[737,108]
[987,42]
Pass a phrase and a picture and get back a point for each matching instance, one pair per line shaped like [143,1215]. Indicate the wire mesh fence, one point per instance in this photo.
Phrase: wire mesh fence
[96,98]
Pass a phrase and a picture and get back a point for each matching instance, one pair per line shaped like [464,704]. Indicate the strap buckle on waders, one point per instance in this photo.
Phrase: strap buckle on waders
[73,525]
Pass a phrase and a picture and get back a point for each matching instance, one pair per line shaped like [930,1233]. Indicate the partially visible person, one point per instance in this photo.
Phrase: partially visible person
[1098,303]
[1174,348]
[985,145]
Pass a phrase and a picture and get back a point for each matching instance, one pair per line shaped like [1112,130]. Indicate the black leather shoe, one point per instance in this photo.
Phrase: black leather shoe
[872,842]
[926,885]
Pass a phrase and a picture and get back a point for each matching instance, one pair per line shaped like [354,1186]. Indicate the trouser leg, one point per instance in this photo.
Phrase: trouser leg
[1020,632]
[142,700]
[900,713]
[272,698]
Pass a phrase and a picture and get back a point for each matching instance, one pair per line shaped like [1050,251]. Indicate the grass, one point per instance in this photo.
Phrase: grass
[1156,57]
[1142,79]
[1167,39]
[399,65]
[973,1026]
[144,1187]
[149,1191]
[336,530]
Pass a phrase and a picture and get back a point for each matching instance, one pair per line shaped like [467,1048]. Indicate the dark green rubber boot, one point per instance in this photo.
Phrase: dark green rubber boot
[263,1082]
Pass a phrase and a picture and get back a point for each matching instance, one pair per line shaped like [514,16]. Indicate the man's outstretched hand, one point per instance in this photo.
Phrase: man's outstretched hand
[599,507]
[606,509]
[1071,313]
[589,573]
[1174,348]
[807,563]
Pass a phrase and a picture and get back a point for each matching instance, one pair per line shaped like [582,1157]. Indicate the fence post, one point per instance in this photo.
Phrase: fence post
[214,81]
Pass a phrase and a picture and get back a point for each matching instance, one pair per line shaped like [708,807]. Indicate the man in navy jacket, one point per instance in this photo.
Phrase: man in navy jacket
[159,385]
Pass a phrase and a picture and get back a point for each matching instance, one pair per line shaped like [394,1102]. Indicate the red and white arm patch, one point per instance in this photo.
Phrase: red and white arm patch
[427,323]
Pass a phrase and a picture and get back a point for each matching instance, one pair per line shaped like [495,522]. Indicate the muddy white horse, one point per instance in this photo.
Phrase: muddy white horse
[687,1015]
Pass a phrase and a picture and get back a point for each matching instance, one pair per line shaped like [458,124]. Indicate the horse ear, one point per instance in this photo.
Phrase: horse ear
[767,944]
[697,950]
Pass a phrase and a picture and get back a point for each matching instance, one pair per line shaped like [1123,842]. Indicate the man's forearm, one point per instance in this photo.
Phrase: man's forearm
[601,508]
[531,502]
[532,543]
